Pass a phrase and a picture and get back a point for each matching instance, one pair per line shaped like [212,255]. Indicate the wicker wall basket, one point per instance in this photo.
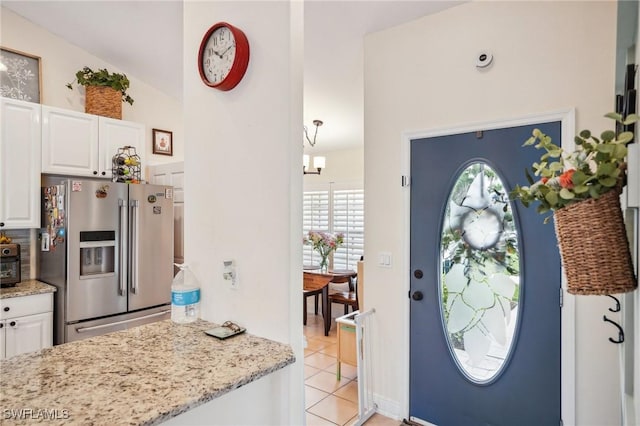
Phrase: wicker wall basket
[594,247]
[104,101]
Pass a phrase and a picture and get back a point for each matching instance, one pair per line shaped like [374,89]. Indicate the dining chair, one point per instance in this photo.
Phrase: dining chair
[346,298]
[308,293]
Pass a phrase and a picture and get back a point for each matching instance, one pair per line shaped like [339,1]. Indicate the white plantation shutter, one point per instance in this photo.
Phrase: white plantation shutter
[348,218]
[315,217]
[337,209]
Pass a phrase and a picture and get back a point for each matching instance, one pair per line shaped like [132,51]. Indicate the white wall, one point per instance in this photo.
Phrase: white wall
[243,185]
[548,56]
[61,60]
[344,165]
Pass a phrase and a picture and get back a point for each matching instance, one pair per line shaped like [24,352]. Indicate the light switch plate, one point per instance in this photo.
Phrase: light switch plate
[384,259]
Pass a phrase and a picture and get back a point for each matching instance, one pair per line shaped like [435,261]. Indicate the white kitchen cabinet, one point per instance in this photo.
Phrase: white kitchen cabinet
[79,144]
[69,142]
[114,134]
[26,324]
[28,334]
[20,164]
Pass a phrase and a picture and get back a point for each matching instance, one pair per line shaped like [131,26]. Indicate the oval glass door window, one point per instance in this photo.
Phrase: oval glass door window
[480,279]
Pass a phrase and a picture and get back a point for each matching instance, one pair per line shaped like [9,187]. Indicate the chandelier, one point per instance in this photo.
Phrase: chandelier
[318,162]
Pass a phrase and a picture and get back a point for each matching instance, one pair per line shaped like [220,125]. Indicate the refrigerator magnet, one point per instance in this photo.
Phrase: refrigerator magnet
[102,191]
[76,186]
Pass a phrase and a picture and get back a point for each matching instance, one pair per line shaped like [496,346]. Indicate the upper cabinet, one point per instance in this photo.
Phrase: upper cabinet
[79,144]
[69,143]
[114,134]
[19,164]
[37,138]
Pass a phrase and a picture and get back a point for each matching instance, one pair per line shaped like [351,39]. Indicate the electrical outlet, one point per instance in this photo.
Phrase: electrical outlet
[230,274]
[44,241]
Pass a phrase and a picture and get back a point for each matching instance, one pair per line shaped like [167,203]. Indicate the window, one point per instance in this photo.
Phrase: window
[337,208]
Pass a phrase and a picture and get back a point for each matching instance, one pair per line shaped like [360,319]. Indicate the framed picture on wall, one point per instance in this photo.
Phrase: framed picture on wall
[21,76]
[162,142]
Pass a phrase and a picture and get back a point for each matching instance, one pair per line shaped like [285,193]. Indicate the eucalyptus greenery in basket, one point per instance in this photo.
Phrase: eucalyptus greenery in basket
[119,82]
[594,168]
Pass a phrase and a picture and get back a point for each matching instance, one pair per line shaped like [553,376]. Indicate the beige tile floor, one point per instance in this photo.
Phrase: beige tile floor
[328,401]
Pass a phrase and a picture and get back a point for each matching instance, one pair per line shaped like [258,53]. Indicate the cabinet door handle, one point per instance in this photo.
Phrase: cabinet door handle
[104,173]
[1,324]
[6,308]
[95,172]
[12,323]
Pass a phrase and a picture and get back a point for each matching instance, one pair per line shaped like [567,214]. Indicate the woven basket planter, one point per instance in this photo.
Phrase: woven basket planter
[594,247]
[104,101]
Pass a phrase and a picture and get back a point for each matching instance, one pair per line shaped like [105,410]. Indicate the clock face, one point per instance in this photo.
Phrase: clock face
[218,55]
[223,57]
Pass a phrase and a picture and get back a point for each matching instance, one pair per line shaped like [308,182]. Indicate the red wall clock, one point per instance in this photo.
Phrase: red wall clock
[223,57]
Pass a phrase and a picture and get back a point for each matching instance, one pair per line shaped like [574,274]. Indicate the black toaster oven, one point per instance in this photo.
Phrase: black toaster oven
[10,265]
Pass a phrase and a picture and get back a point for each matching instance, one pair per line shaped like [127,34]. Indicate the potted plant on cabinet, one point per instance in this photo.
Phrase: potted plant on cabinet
[105,91]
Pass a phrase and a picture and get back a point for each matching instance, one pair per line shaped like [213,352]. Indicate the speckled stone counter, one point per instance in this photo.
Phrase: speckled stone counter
[26,288]
[141,376]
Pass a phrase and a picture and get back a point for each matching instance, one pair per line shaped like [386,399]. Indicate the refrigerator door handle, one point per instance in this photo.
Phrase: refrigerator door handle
[134,245]
[111,324]
[122,287]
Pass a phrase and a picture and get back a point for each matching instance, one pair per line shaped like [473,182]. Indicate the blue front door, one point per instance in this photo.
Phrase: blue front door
[485,285]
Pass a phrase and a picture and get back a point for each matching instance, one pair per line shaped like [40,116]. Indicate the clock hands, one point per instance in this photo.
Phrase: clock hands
[227,49]
[220,55]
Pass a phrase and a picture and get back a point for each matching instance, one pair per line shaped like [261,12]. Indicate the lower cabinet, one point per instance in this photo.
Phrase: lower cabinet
[26,324]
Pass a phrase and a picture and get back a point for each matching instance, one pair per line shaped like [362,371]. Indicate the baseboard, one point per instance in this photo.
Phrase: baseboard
[388,407]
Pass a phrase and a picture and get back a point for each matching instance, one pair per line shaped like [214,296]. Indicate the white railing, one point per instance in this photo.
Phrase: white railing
[366,406]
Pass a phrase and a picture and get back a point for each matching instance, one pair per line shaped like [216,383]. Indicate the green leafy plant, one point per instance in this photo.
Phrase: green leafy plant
[594,168]
[88,77]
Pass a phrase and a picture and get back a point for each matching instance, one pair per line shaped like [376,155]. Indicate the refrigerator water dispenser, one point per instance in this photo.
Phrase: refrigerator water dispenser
[97,253]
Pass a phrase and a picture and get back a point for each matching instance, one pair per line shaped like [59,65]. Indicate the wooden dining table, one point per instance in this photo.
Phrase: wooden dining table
[315,279]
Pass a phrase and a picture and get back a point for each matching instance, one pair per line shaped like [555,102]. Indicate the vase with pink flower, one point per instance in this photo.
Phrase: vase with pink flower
[324,243]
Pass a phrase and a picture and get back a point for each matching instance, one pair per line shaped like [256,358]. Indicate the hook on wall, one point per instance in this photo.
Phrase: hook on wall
[617,308]
[620,330]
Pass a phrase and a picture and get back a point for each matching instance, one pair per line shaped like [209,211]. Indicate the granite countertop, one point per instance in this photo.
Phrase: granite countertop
[140,376]
[26,288]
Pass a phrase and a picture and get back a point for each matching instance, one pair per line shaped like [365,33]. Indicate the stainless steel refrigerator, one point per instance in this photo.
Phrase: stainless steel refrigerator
[108,248]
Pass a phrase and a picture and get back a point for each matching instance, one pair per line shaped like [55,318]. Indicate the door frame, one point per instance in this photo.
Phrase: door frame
[567,314]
